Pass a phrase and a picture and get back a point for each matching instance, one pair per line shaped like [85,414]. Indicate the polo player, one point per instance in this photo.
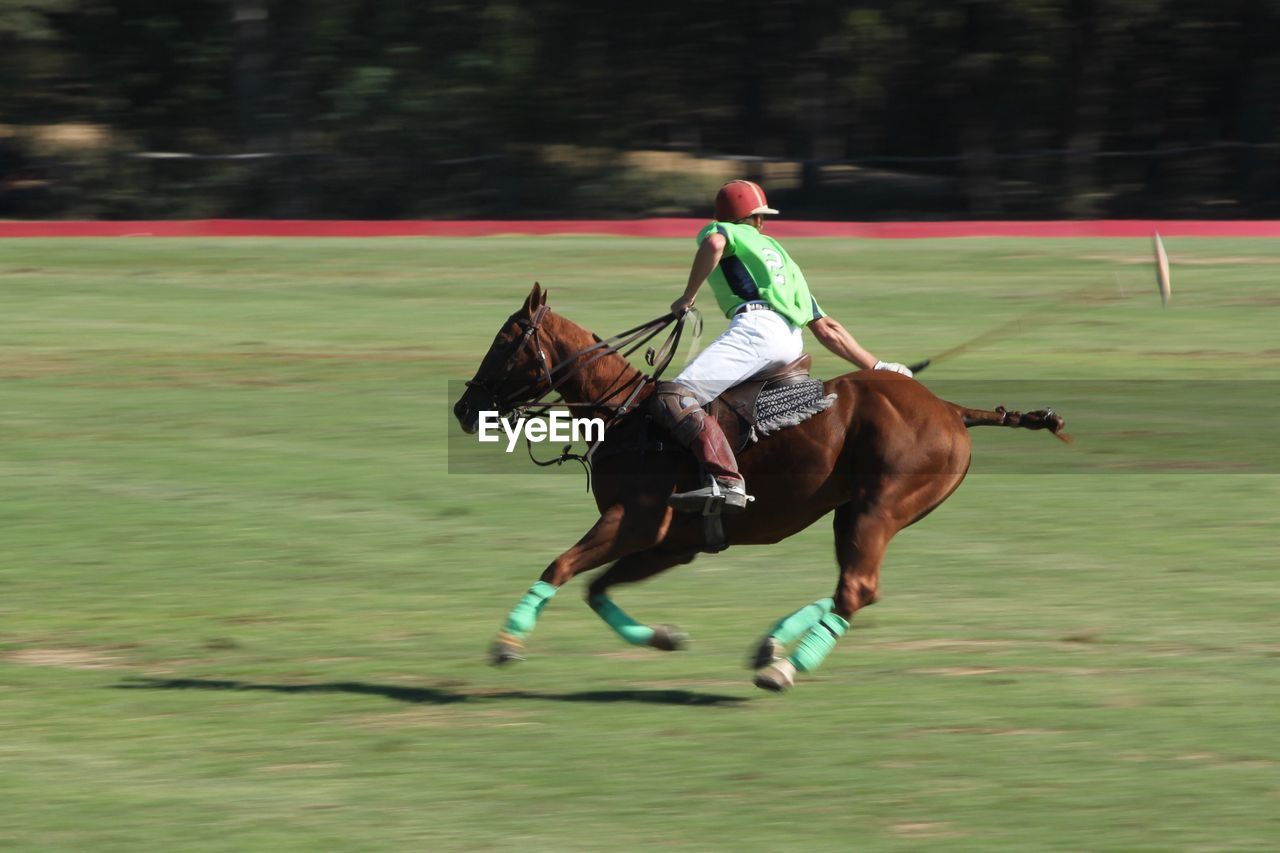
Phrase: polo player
[763,293]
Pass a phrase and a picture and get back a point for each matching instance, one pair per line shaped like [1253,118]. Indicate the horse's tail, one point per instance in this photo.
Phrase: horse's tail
[1039,419]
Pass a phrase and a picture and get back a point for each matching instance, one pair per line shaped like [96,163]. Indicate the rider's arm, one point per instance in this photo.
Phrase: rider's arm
[709,254]
[836,338]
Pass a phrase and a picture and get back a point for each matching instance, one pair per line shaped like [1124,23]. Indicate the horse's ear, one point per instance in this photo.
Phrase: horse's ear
[535,299]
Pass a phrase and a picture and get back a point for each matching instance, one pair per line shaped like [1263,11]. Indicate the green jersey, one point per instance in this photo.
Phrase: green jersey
[755,267]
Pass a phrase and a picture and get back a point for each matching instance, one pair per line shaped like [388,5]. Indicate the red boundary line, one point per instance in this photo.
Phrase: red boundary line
[677,228]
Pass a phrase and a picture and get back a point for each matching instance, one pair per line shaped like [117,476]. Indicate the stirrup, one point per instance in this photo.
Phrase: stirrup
[712,499]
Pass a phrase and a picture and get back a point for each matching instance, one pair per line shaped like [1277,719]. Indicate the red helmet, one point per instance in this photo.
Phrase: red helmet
[740,199]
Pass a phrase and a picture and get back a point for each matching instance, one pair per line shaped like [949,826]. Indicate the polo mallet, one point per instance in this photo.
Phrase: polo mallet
[972,343]
[1162,283]
[1009,325]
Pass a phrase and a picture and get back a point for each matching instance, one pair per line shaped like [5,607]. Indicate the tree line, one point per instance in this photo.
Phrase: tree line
[1018,108]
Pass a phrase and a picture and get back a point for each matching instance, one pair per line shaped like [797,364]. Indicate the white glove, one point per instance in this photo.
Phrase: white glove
[894,366]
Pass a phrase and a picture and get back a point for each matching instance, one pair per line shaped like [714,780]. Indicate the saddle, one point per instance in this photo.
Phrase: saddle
[765,403]
[769,401]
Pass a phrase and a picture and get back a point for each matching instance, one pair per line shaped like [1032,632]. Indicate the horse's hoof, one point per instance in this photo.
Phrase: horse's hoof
[778,677]
[669,638]
[505,650]
[769,651]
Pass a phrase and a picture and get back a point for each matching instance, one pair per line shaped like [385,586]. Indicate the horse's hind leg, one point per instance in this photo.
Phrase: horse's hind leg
[632,568]
[861,538]
[612,536]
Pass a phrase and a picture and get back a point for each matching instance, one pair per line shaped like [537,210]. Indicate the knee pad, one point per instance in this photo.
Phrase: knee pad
[675,408]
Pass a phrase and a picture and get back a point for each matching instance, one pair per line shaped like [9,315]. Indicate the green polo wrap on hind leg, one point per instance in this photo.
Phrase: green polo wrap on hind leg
[802,620]
[617,619]
[818,643]
[524,616]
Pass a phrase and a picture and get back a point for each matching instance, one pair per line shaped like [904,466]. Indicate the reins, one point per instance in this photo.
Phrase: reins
[554,376]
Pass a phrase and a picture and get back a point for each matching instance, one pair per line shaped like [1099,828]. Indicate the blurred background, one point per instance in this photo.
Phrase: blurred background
[874,110]
[246,589]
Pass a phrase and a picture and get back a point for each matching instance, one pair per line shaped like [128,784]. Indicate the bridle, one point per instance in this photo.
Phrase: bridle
[529,338]
[624,343]
[553,376]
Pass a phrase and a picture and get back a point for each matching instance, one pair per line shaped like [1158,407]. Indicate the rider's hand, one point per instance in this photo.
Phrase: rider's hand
[682,305]
[894,366]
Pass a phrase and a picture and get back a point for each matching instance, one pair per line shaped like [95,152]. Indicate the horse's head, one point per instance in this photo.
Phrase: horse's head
[514,369]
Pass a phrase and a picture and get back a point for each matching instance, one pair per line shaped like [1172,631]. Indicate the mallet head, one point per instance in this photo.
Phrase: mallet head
[1162,269]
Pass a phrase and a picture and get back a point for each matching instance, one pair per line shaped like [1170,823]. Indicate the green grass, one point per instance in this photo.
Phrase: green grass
[243,605]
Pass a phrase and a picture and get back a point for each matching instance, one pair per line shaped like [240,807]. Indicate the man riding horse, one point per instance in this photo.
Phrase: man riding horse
[763,293]
[883,454]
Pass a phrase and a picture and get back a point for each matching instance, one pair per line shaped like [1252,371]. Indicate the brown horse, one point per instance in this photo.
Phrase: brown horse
[882,457]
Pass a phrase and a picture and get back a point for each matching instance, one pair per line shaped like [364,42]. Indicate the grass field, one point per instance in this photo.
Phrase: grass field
[243,605]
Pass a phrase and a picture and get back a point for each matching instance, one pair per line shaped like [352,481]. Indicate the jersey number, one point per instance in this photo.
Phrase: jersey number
[773,261]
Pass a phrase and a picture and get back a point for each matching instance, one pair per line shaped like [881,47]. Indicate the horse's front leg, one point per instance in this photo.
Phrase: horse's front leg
[632,568]
[611,537]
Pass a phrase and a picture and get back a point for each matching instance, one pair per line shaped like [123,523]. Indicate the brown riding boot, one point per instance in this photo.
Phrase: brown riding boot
[727,491]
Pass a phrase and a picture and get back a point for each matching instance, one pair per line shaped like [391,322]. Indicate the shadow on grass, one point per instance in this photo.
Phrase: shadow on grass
[437,695]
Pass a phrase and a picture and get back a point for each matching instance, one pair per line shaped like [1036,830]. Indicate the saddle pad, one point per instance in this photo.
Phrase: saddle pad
[785,405]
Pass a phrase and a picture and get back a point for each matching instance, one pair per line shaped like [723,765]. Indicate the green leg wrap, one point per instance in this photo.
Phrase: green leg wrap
[802,620]
[819,642]
[524,616]
[617,619]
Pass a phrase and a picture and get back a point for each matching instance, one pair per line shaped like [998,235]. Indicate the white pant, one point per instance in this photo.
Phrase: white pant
[754,341]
